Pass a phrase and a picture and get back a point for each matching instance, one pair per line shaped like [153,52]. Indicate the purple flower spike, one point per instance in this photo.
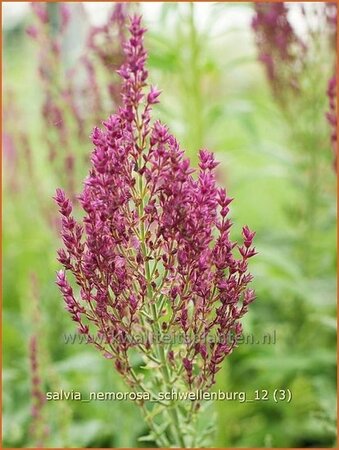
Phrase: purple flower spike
[153,252]
[280,50]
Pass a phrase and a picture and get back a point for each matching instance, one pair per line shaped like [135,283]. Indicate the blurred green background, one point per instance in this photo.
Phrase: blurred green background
[214,95]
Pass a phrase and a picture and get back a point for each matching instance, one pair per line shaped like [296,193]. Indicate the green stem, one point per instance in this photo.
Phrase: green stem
[191,80]
[173,412]
[195,106]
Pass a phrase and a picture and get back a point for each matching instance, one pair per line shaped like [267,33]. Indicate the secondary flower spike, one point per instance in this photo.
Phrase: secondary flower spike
[280,50]
[153,254]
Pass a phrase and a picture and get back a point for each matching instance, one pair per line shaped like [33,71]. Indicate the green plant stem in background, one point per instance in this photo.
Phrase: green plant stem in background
[190,44]
[195,109]
[312,174]
[312,210]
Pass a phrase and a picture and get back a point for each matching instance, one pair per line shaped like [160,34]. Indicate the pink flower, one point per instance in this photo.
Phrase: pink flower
[155,238]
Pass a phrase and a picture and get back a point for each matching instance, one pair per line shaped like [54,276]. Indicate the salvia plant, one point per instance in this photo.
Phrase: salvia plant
[158,278]
[280,49]
[48,35]
[69,106]
[105,44]
[298,67]
[286,55]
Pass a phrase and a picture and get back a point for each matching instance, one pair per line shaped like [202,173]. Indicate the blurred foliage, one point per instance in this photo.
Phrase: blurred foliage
[215,95]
